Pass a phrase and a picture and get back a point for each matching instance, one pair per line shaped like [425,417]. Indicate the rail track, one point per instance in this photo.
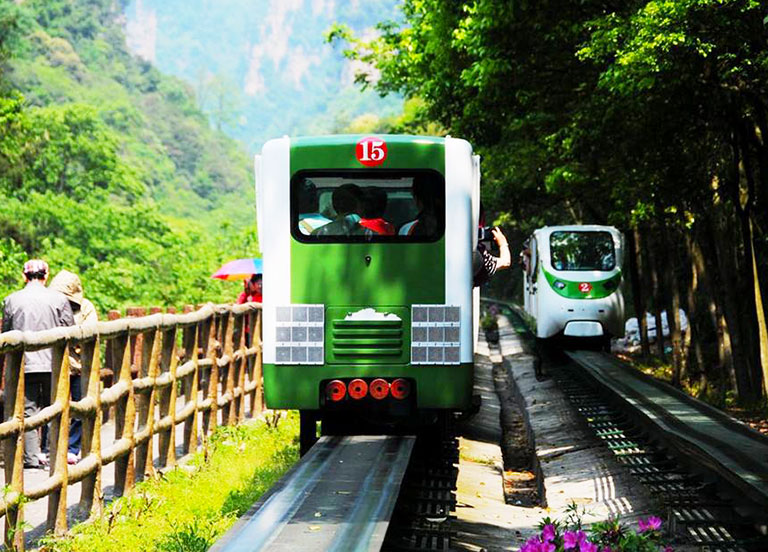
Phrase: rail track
[357,493]
[670,443]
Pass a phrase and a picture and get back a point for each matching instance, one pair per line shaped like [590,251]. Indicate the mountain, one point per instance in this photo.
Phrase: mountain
[108,167]
[261,68]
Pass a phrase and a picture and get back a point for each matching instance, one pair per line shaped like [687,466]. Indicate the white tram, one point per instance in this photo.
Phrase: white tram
[573,282]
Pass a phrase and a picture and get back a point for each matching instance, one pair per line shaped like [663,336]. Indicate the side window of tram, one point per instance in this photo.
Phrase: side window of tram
[351,207]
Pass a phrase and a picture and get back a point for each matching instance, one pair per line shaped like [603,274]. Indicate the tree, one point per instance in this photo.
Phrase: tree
[646,114]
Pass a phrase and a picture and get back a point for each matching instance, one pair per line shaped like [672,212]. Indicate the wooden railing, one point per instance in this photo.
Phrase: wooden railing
[190,366]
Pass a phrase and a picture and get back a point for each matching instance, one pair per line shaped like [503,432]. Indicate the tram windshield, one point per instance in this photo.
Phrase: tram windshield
[342,206]
[578,250]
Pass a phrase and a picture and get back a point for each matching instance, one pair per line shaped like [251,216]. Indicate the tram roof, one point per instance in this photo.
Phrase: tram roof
[577,228]
[342,139]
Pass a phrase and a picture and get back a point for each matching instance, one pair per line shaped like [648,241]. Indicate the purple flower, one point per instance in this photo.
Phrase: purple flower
[651,524]
[607,549]
[587,546]
[535,544]
[669,549]
[573,539]
[570,540]
[548,533]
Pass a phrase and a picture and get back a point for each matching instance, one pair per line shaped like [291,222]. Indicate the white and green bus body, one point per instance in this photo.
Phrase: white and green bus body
[573,282]
[368,306]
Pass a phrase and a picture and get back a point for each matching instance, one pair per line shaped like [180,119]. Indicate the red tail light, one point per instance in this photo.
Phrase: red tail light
[400,388]
[336,390]
[357,389]
[379,388]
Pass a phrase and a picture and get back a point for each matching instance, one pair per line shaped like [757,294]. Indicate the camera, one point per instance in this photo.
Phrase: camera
[484,234]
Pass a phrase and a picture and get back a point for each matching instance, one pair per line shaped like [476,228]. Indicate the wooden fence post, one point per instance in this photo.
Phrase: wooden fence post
[167,398]
[125,417]
[145,404]
[137,340]
[13,448]
[241,325]
[210,419]
[257,404]
[112,367]
[191,384]
[91,444]
[230,414]
[59,439]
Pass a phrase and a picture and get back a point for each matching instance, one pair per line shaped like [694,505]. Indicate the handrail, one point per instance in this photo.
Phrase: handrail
[168,369]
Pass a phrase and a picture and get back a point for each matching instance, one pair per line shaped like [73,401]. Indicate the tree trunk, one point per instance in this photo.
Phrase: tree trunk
[762,328]
[672,303]
[658,300]
[760,313]
[749,315]
[735,313]
[697,334]
[719,293]
[636,272]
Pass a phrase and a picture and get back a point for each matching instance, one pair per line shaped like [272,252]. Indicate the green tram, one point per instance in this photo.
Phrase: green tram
[368,320]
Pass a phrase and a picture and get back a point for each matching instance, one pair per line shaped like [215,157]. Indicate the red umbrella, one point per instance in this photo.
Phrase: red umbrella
[239,269]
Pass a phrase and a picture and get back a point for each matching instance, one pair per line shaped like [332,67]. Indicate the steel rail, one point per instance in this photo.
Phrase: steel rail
[714,441]
[339,496]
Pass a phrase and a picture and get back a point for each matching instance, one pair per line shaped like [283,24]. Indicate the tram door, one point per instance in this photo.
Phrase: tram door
[531,280]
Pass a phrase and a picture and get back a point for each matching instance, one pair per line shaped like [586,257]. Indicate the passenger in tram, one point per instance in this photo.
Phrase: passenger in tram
[429,205]
[84,312]
[346,201]
[310,218]
[373,207]
[525,257]
[34,308]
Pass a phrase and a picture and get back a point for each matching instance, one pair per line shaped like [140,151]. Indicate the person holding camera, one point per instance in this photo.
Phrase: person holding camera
[485,264]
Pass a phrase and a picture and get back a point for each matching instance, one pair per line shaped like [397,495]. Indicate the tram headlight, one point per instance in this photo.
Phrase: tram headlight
[299,334]
[610,285]
[559,285]
[435,334]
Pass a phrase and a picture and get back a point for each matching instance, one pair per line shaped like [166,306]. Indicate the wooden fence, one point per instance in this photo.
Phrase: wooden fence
[187,367]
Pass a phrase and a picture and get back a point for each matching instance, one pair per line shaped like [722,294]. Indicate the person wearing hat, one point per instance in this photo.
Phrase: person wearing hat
[35,308]
[69,284]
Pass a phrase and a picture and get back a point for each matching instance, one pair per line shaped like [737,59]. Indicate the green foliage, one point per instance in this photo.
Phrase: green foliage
[107,168]
[192,536]
[10,32]
[488,322]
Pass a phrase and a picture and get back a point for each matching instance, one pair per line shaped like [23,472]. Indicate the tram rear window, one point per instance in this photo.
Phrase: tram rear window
[582,250]
[343,206]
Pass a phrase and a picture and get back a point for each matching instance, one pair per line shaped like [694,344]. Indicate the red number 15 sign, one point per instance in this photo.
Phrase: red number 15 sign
[371,151]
